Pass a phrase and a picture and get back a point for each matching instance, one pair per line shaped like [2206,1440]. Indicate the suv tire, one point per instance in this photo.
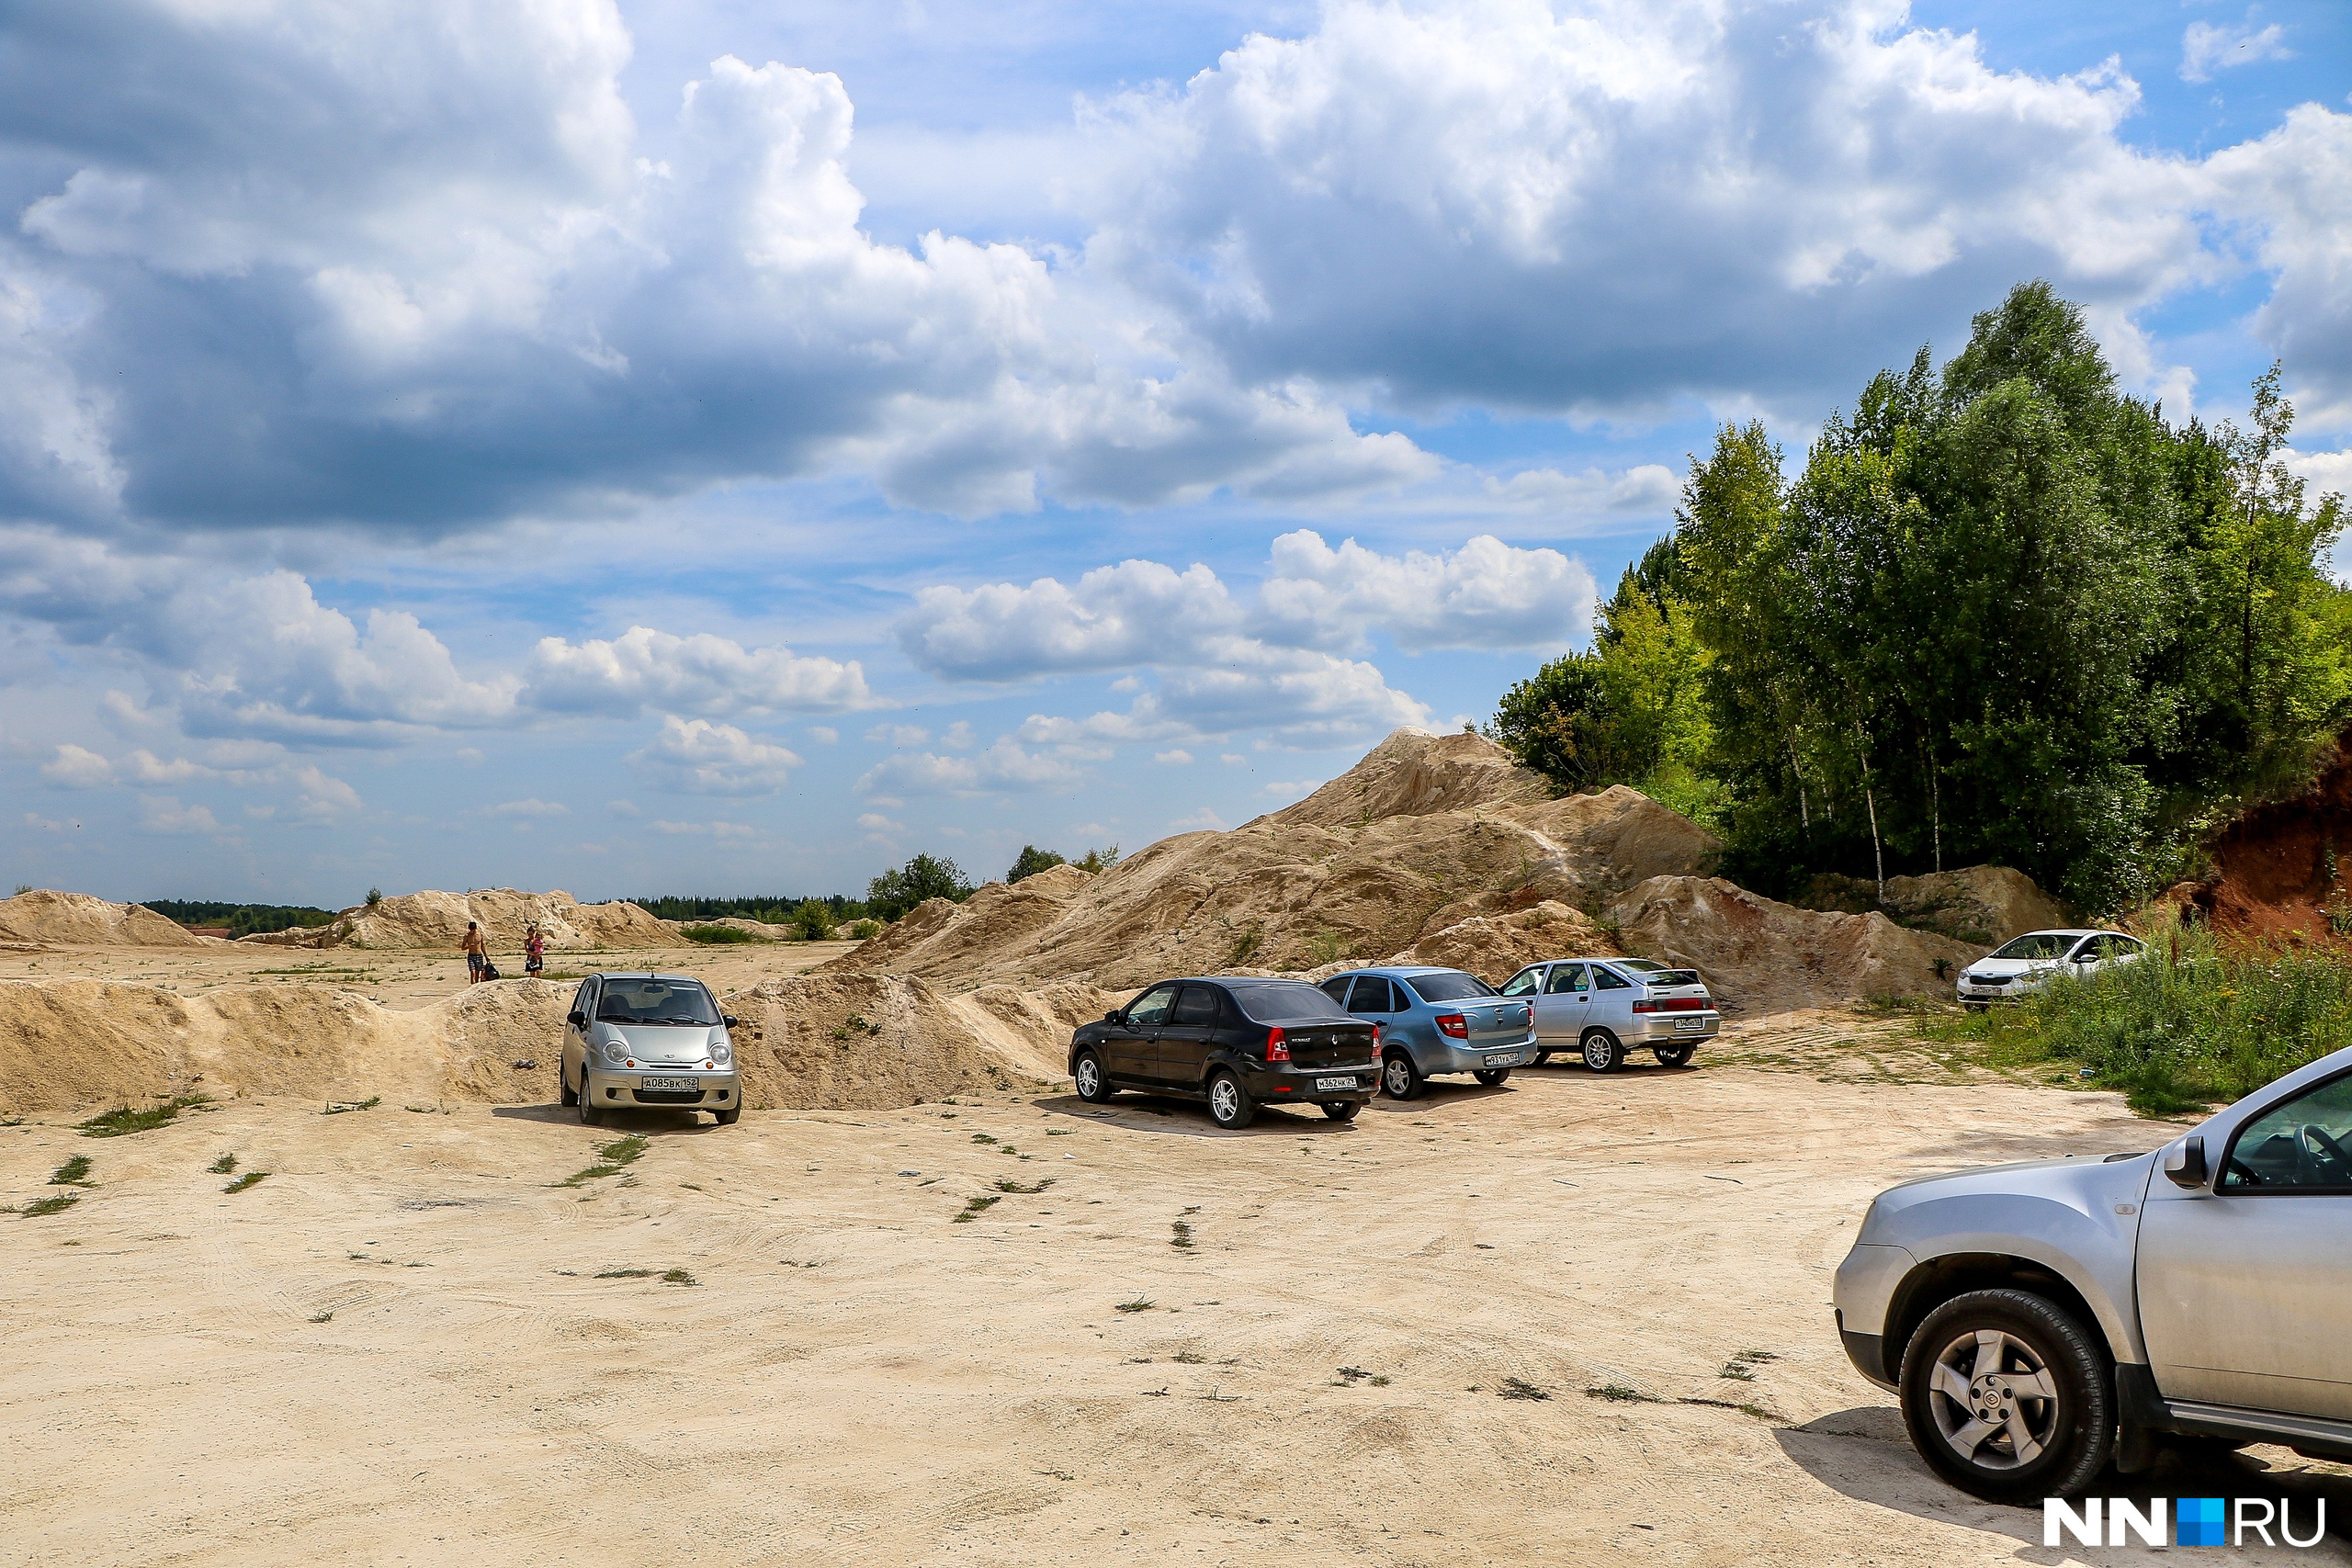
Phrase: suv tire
[1229,1105]
[1962,1373]
[1602,1052]
[1399,1079]
[1093,1083]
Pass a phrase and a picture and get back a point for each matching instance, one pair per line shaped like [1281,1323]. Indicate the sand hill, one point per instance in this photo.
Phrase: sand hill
[432,920]
[77,920]
[1986,904]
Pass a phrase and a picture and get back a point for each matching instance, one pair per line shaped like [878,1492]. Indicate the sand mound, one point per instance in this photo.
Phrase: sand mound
[1496,947]
[68,1044]
[1469,836]
[1760,956]
[77,920]
[1986,904]
[432,920]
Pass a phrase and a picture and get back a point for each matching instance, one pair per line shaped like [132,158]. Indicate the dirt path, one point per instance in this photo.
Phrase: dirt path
[1323,1374]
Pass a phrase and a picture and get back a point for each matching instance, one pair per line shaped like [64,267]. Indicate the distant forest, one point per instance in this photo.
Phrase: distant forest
[241,920]
[2002,613]
[774,909]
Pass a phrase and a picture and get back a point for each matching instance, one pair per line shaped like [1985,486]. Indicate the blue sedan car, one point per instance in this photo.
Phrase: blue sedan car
[1437,1021]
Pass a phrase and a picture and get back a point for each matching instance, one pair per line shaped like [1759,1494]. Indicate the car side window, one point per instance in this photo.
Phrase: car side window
[2124,946]
[1151,1009]
[583,1001]
[1336,987]
[1522,984]
[1372,995]
[1610,981]
[1567,979]
[1196,1008]
[2304,1144]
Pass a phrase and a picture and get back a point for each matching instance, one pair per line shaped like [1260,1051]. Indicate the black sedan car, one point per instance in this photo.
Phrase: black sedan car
[1237,1043]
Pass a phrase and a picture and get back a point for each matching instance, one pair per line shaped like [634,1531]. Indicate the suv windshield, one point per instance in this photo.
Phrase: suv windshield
[1450,986]
[2038,944]
[681,1002]
[1285,1001]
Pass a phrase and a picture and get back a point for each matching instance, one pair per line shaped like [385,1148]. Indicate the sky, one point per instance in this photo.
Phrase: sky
[724,447]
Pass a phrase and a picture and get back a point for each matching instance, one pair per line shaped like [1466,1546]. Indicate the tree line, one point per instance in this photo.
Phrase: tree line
[2003,613]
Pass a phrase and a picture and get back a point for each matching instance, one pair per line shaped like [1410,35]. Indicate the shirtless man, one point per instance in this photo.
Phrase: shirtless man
[477,953]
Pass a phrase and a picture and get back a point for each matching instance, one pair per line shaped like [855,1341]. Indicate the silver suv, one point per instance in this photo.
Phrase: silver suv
[1603,1007]
[646,1040]
[2036,1320]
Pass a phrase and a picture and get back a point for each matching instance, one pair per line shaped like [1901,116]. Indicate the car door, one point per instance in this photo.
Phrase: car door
[1374,1000]
[1564,1005]
[2242,1283]
[1612,1000]
[1133,1044]
[2089,955]
[575,1036]
[1184,1039]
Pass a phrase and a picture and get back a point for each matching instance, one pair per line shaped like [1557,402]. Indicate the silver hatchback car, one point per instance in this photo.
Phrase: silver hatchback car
[1601,1007]
[649,1039]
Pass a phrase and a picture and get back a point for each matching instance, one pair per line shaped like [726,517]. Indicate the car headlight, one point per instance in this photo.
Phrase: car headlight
[615,1053]
[722,1052]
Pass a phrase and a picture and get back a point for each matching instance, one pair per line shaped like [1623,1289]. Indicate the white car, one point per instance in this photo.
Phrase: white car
[2027,963]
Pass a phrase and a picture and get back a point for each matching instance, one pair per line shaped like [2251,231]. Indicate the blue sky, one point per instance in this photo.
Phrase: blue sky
[726,448]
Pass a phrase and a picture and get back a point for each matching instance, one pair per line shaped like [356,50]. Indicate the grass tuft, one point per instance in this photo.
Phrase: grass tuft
[55,1204]
[976,1206]
[1135,1303]
[124,1120]
[1182,1238]
[251,1179]
[73,1173]
[224,1166]
[1618,1394]
[322,1317]
[621,1151]
[1006,1184]
[1520,1388]
[344,1107]
[678,1277]
[626,1274]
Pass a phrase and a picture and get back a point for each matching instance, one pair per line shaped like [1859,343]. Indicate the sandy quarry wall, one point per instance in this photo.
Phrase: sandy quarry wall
[71,1044]
[437,921]
[1466,836]
[1986,904]
[78,919]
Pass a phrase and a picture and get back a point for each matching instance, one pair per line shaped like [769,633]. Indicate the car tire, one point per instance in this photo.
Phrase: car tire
[1093,1083]
[1542,1059]
[1229,1105]
[1960,1404]
[1490,1076]
[1602,1052]
[1399,1078]
[563,1087]
[729,1117]
[1674,1056]
[1342,1109]
[585,1100]
[1975,1007]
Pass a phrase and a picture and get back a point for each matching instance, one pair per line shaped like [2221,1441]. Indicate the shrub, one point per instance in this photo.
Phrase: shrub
[710,936]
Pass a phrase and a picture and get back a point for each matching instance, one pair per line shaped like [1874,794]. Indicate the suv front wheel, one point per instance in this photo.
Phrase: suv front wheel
[2008,1396]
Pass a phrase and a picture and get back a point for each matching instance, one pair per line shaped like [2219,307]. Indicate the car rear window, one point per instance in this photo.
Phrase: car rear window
[1452,986]
[1285,1001]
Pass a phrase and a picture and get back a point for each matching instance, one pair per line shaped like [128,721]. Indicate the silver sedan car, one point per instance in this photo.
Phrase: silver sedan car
[1603,1007]
[649,1039]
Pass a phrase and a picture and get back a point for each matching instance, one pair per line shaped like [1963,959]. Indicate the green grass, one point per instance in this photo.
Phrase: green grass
[1006,1184]
[1618,1394]
[1135,1303]
[1520,1388]
[56,1204]
[2192,1024]
[344,1107]
[251,1179]
[678,1277]
[715,936]
[124,1120]
[626,1274]
[974,1207]
[620,1151]
[75,1172]
[224,1166]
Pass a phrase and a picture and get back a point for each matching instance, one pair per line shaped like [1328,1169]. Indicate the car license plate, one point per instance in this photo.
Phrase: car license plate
[1690,1025]
[1508,1059]
[671,1085]
[1335,1083]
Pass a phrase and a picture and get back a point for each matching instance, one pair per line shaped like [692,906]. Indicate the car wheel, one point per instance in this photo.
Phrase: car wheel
[1602,1052]
[586,1100]
[1093,1083]
[1490,1076]
[1674,1056]
[729,1117]
[563,1087]
[1229,1105]
[1343,1110]
[1399,1079]
[1543,1057]
[2007,1397]
[1975,1007]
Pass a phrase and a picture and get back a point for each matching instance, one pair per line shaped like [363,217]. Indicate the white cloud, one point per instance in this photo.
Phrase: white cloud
[323,795]
[531,808]
[958,736]
[1113,616]
[1289,790]
[721,831]
[874,822]
[164,814]
[702,674]
[700,757]
[77,767]
[2290,192]
[1231,758]
[2205,48]
[824,734]
[1003,766]
[1196,821]
[1487,594]
[1177,757]
[901,736]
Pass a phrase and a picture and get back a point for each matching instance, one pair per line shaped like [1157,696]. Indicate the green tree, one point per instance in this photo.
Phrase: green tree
[1031,861]
[895,892]
[812,920]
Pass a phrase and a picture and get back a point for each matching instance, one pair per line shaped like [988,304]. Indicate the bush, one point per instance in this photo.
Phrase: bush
[865,930]
[1031,861]
[2191,1025]
[812,922]
[893,893]
[711,936]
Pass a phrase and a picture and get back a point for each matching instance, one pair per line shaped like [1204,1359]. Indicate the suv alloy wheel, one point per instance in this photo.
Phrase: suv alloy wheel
[2008,1396]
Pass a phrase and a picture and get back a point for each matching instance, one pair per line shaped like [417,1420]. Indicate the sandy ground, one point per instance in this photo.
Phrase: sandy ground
[412,1343]
[398,978]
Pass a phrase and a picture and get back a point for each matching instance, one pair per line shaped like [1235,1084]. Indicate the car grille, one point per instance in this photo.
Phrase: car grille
[1989,979]
[668,1096]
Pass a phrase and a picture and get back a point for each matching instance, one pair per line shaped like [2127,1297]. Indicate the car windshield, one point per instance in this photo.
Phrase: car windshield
[1285,1001]
[683,1003]
[1452,986]
[2038,944]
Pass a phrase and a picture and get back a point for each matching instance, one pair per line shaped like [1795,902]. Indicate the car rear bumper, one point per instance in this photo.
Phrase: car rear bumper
[1272,1085]
[1659,1028]
[625,1090]
[1458,1057]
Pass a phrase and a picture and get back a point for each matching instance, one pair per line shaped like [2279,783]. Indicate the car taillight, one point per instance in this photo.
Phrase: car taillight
[1674,1004]
[1454,1024]
[1277,1044]
[1645,1007]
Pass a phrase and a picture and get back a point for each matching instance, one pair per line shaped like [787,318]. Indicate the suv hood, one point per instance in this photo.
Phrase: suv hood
[2091,1183]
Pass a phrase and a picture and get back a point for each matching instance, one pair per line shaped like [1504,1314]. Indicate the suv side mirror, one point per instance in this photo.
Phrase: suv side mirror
[2185,1166]
[577,1019]
[1113,1017]
[729,1019]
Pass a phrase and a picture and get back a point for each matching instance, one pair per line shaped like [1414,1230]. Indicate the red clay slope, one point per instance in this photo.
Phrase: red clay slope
[2281,868]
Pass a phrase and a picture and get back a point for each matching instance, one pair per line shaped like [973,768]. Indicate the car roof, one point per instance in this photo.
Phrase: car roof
[637,975]
[1402,971]
[2070,931]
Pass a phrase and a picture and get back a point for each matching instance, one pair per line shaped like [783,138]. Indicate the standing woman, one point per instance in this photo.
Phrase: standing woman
[534,951]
